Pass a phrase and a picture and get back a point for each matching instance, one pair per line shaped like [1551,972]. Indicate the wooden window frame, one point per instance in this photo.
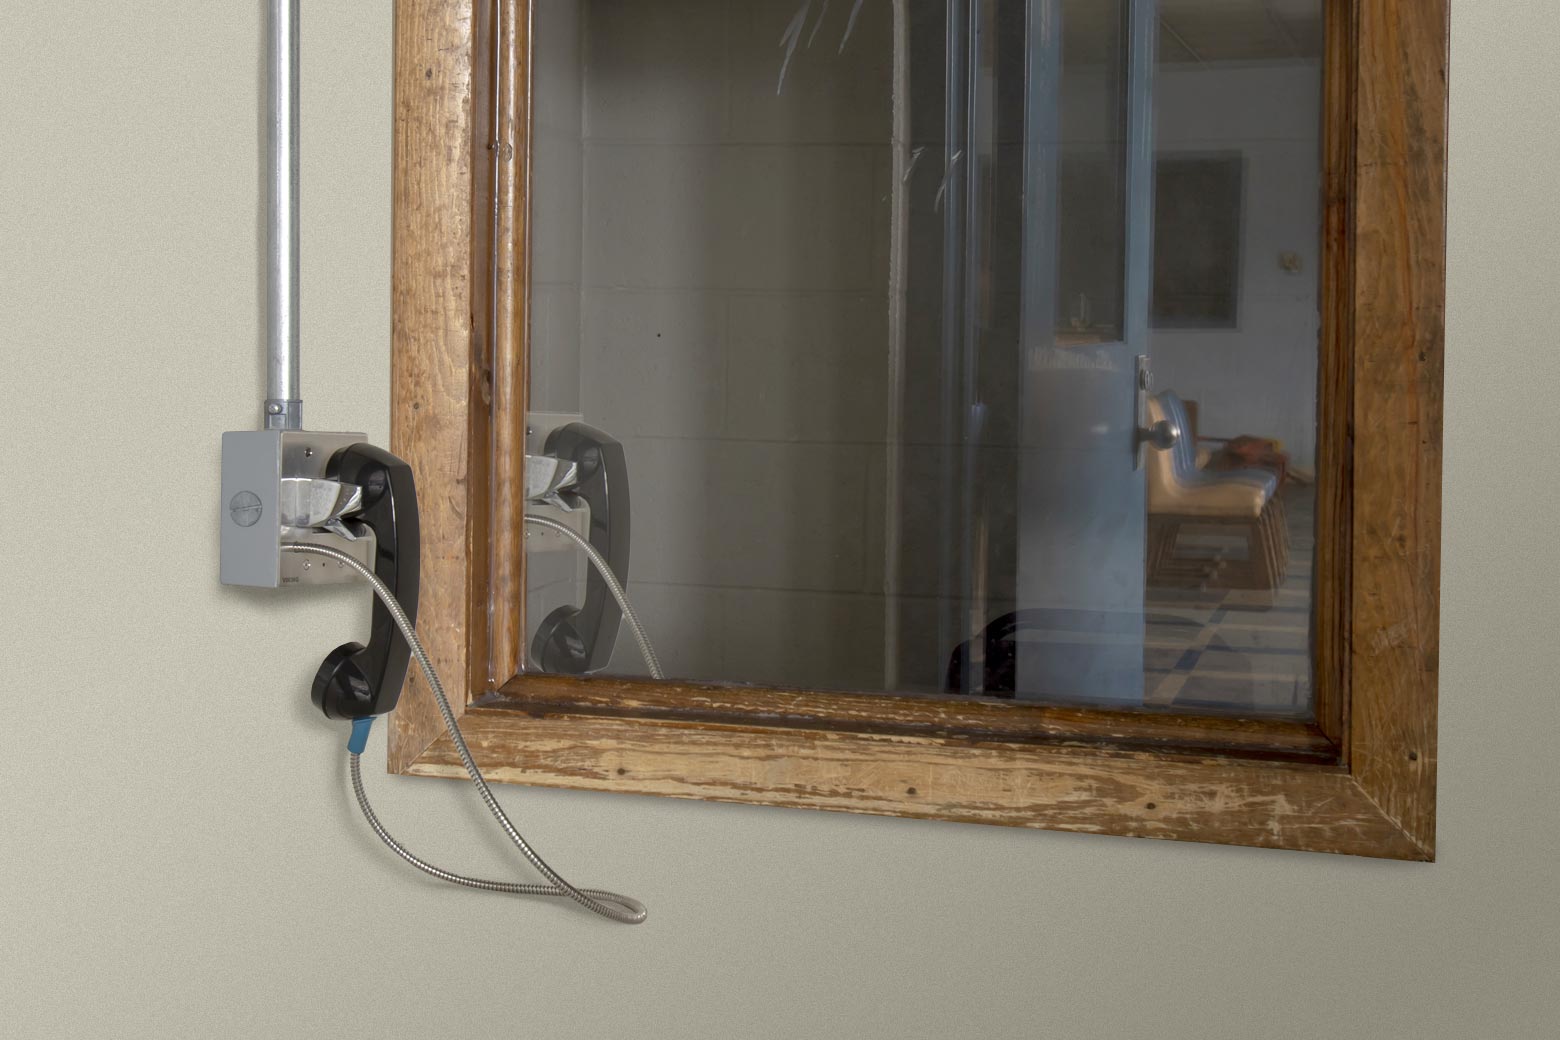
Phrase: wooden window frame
[1361,780]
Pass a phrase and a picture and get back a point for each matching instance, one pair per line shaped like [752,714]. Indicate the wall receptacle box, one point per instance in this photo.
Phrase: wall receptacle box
[254,462]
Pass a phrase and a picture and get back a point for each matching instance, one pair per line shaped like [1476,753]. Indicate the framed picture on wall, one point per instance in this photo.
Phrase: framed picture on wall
[1199,213]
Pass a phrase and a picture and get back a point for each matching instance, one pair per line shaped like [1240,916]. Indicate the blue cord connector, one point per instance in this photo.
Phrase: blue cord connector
[359,739]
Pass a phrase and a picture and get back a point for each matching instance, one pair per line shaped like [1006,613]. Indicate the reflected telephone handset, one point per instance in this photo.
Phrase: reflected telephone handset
[579,640]
[358,681]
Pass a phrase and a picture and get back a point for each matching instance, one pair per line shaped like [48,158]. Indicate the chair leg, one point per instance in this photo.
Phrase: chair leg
[1271,571]
[1281,521]
[1280,550]
[1259,555]
[1273,518]
[1163,532]
[1266,551]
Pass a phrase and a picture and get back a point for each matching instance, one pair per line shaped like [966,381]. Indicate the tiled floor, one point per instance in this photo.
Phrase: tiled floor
[1219,649]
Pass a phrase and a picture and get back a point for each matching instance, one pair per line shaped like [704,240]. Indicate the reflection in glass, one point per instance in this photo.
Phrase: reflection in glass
[862,289]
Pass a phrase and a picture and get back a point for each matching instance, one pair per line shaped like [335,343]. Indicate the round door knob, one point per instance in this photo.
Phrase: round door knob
[1162,435]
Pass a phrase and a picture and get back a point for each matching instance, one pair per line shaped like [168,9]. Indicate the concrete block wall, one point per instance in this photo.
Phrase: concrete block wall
[717,300]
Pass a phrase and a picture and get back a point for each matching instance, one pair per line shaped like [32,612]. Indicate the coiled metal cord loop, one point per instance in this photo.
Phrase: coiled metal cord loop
[515,888]
[608,904]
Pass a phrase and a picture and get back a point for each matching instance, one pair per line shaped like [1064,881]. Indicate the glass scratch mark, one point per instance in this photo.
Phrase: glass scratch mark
[942,189]
[915,157]
[823,13]
[791,37]
[850,26]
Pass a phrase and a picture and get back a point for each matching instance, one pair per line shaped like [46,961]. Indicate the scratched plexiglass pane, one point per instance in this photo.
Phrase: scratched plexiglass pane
[859,287]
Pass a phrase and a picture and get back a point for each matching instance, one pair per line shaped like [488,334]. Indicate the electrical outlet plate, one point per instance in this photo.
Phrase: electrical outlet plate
[254,463]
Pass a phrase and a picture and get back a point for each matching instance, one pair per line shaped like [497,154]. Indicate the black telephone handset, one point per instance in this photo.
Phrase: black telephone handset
[355,681]
[579,640]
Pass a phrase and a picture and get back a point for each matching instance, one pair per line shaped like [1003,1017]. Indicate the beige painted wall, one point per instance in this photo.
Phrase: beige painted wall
[178,856]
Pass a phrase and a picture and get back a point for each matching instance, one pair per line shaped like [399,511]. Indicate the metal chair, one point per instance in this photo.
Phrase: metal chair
[1183,496]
